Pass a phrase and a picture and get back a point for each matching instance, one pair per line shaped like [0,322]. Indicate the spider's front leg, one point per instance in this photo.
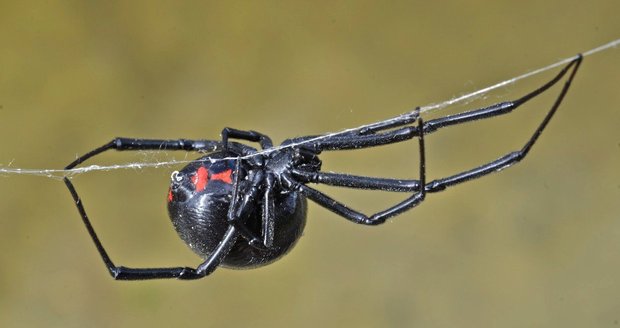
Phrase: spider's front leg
[515,156]
[373,137]
[398,129]
[380,217]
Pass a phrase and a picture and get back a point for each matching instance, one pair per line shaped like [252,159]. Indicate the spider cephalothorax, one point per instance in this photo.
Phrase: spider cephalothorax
[242,207]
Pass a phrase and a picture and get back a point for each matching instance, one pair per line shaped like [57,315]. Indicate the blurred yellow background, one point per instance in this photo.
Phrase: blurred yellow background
[536,245]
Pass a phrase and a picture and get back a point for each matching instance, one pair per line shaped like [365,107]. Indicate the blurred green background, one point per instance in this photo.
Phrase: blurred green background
[536,245]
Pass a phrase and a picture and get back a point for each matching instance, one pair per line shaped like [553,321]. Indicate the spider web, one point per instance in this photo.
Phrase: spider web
[61,173]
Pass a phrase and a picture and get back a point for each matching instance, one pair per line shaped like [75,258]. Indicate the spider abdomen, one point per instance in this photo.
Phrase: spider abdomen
[198,204]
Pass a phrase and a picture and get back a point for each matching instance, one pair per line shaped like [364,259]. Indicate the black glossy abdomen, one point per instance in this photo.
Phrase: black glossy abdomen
[200,216]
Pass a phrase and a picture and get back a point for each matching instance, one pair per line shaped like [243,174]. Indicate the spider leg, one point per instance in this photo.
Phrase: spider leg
[401,120]
[264,140]
[237,212]
[398,185]
[404,119]
[506,107]
[122,144]
[129,144]
[132,144]
[354,140]
[125,273]
[509,159]
[371,135]
[268,211]
[356,181]
[381,216]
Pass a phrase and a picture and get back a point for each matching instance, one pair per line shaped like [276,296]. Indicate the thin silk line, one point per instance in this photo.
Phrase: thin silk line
[61,173]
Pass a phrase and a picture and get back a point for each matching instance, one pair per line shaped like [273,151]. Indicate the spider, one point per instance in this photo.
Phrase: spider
[239,207]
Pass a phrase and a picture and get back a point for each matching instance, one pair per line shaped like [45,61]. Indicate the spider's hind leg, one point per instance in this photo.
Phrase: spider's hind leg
[125,273]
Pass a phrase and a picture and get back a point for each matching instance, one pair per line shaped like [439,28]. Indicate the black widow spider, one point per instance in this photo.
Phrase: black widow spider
[236,191]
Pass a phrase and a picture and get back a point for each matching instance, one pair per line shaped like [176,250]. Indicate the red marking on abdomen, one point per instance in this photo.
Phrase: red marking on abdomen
[170,197]
[200,179]
[224,176]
